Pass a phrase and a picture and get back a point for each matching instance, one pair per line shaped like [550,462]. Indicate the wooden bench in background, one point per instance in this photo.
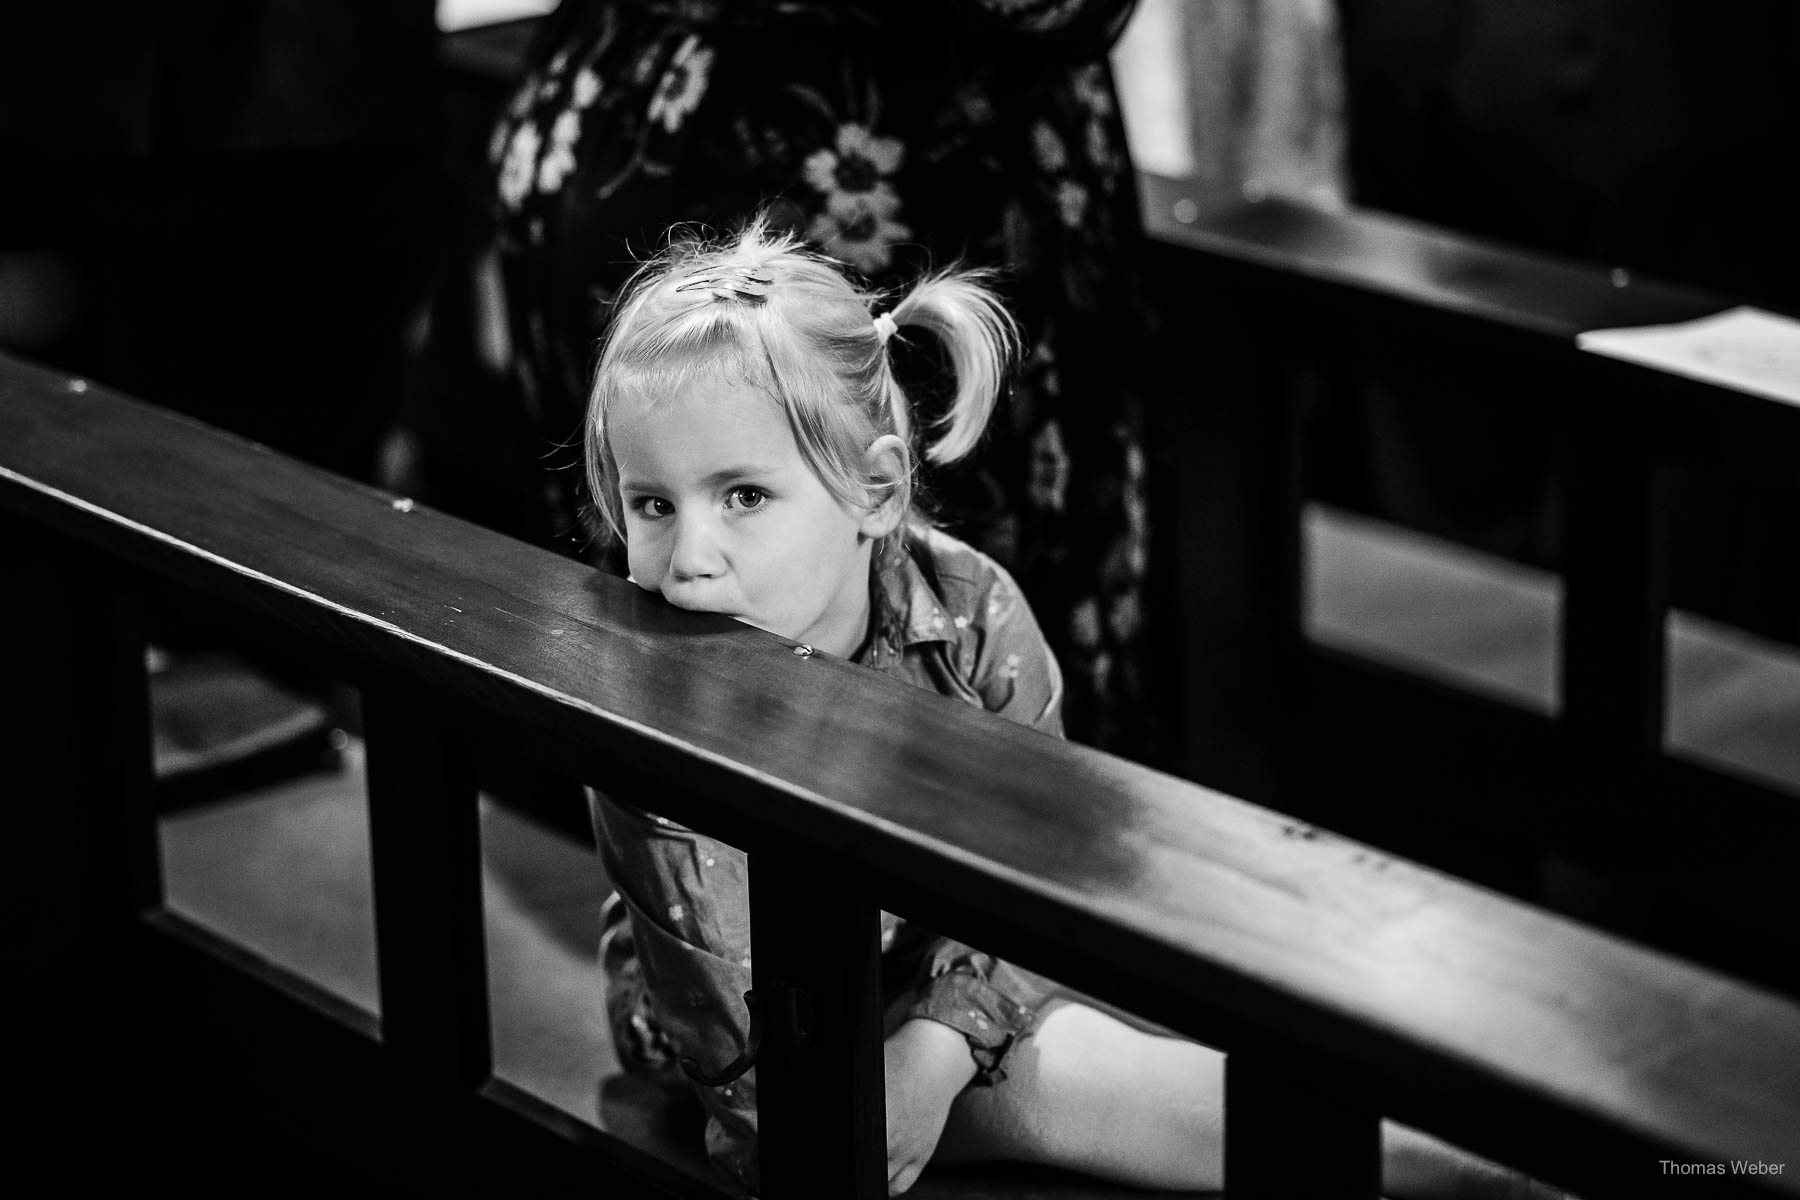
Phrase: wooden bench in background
[1346,985]
[1280,312]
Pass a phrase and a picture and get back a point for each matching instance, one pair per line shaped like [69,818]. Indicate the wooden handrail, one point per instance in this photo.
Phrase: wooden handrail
[1420,281]
[1366,252]
[1395,989]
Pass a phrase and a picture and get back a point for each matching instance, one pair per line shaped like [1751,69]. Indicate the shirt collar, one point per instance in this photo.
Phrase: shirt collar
[906,608]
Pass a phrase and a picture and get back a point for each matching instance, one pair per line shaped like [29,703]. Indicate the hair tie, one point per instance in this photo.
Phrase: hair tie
[884,326]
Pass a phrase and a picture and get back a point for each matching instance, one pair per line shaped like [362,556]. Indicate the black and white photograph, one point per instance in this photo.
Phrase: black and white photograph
[970,599]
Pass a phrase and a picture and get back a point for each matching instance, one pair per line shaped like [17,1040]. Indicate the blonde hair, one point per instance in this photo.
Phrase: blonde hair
[769,313]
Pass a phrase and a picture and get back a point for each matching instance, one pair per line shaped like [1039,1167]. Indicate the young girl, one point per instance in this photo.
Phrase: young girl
[749,445]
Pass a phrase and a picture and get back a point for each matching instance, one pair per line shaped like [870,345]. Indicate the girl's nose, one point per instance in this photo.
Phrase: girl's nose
[695,554]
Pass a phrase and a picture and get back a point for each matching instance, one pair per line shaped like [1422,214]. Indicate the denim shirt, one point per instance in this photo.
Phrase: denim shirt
[676,949]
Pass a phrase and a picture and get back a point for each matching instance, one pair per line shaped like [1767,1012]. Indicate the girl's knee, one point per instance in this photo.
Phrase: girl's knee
[1088,1092]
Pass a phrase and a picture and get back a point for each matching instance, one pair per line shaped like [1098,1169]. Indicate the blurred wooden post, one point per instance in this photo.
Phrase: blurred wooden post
[1615,608]
[76,744]
[821,1100]
[1288,1137]
[425,848]
[1237,491]
[78,738]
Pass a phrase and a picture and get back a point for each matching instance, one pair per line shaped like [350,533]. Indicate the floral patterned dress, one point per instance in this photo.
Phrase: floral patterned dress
[896,135]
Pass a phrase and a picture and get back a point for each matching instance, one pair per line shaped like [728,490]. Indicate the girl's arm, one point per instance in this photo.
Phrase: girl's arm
[959,1024]
[928,1065]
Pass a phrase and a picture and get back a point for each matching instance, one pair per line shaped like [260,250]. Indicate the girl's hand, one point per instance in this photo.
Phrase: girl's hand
[928,1065]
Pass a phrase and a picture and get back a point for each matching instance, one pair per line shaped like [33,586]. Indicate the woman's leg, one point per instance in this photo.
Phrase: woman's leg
[1092,1094]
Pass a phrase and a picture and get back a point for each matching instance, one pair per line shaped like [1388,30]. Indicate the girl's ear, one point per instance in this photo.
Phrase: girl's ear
[888,465]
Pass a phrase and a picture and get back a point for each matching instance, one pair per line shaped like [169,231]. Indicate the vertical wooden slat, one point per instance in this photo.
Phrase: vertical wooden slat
[1237,472]
[425,846]
[78,740]
[1615,608]
[821,1112]
[1286,1138]
[83,852]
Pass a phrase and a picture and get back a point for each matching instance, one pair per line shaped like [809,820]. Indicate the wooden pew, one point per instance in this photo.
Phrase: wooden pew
[1277,292]
[1346,985]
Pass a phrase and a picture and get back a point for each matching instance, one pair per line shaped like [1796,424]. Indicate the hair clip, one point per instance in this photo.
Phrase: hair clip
[729,283]
[884,326]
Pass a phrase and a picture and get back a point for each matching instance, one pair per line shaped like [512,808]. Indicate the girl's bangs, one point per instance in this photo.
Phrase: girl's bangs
[661,363]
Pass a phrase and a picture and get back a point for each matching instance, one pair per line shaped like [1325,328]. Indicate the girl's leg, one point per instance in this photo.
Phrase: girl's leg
[1417,1166]
[1092,1094]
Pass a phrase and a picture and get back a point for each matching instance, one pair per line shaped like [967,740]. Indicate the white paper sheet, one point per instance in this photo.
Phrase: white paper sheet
[1745,348]
[453,15]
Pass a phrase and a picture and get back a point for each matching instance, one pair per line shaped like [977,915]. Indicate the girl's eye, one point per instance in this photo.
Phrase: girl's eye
[748,497]
[653,506]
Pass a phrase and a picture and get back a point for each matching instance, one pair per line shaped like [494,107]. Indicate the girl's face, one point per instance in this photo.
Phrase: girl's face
[723,514]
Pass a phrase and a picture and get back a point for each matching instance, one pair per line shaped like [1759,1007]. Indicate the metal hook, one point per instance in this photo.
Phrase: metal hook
[735,1069]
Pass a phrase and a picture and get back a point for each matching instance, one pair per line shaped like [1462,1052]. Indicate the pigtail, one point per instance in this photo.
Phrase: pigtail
[981,339]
